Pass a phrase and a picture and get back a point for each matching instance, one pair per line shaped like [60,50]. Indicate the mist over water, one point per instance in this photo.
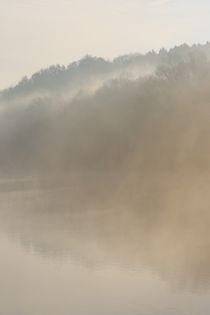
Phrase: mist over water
[69,253]
[104,187]
[166,229]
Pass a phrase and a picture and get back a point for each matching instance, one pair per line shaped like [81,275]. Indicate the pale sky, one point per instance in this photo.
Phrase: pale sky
[37,33]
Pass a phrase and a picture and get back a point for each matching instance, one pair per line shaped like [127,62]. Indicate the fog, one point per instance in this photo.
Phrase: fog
[134,114]
[104,179]
[104,127]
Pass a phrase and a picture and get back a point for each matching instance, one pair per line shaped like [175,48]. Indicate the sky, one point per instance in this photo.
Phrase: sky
[35,34]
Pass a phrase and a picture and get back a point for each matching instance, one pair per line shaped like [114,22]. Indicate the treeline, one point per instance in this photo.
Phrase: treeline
[155,122]
[59,77]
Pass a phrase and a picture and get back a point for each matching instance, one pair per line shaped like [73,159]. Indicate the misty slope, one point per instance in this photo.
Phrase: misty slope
[133,115]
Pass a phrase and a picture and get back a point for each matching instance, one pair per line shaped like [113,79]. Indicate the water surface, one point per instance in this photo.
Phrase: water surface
[147,257]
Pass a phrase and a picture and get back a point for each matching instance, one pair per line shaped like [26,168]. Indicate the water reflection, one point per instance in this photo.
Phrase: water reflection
[162,224]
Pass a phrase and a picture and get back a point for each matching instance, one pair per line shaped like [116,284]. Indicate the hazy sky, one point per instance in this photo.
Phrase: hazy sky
[38,33]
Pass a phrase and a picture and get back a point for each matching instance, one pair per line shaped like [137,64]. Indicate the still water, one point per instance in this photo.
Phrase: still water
[150,258]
